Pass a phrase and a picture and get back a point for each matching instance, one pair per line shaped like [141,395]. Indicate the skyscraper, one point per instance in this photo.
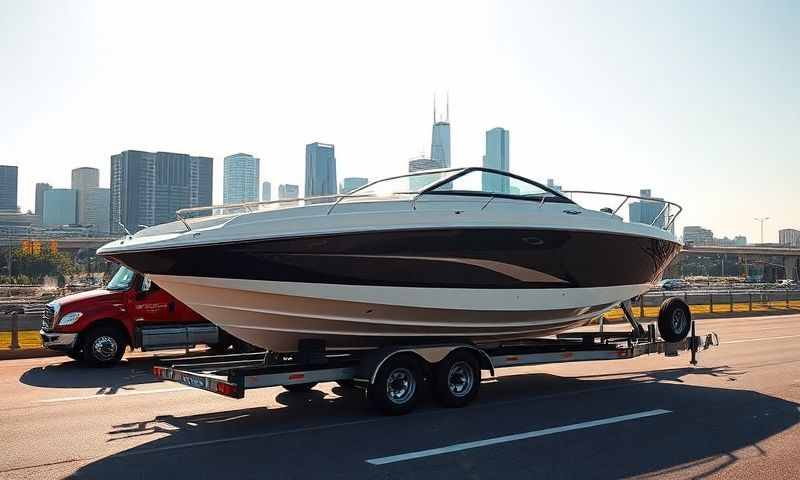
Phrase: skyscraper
[60,206]
[83,179]
[97,205]
[287,191]
[789,237]
[351,183]
[39,205]
[240,178]
[266,191]
[418,164]
[320,170]
[440,138]
[8,188]
[147,188]
[496,157]
[646,211]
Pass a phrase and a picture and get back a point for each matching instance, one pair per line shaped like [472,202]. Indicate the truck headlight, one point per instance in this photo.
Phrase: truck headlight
[70,318]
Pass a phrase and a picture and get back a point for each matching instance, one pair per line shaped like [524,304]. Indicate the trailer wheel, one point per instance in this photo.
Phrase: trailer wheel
[674,320]
[456,379]
[103,346]
[396,386]
[300,387]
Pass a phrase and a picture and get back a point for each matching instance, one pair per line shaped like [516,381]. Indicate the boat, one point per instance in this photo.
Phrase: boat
[473,254]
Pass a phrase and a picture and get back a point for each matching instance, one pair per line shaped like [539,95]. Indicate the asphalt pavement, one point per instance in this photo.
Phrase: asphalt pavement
[735,415]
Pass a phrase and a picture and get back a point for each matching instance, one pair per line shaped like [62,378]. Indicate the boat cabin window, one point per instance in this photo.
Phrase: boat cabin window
[491,183]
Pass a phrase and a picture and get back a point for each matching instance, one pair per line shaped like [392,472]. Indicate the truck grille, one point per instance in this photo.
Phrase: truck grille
[48,318]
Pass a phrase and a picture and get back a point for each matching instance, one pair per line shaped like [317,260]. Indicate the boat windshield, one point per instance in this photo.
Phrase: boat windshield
[121,280]
[494,183]
[405,184]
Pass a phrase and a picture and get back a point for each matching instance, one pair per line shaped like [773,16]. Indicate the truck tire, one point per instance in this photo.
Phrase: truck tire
[396,387]
[103,346]
[674,320]
[456,379]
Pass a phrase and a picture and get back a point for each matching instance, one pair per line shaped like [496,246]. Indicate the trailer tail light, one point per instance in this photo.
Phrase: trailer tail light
[297,376]
[226,389]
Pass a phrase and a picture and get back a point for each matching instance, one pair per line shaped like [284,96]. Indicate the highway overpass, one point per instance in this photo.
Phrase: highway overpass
[790,256]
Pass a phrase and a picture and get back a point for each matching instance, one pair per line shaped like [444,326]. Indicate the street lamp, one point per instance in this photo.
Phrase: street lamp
[762,220]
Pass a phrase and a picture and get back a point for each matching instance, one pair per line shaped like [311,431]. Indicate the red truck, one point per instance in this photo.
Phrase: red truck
[131,311]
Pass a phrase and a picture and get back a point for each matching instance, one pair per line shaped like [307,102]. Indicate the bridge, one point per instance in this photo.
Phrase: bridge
[789,255]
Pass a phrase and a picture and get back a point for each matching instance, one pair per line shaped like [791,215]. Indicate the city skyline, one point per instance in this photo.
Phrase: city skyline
[599,97]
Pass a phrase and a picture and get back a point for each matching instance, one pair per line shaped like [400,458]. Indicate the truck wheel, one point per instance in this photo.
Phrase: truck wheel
[674,320]
[396,386]
[103,347]
[300,387]
[456,379]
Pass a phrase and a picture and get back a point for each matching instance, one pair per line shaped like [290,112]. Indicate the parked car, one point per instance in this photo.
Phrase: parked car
[672,284]
[96,326]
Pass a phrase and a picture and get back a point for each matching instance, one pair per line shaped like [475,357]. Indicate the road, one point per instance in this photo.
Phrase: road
[735,415]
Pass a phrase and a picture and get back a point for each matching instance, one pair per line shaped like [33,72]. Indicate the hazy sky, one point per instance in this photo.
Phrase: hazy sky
[699,101]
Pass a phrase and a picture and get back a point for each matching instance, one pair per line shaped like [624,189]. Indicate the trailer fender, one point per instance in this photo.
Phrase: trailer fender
[430,354]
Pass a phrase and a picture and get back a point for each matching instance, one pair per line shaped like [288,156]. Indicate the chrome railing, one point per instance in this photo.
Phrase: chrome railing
[665,213]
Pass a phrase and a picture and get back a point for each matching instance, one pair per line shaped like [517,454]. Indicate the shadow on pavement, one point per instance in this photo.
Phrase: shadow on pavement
[72,374]
[315,435]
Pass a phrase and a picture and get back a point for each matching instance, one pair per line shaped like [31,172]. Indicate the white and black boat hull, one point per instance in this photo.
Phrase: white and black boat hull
[276,315]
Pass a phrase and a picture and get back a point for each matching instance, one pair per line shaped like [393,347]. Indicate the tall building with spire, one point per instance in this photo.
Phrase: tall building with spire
[440,138]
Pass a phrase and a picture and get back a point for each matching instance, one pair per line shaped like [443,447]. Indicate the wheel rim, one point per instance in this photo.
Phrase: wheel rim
[104,348]
[400,386]
[678,321]
[460,379]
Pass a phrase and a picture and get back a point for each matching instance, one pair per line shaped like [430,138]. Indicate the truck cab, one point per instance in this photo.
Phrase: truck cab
[131,311]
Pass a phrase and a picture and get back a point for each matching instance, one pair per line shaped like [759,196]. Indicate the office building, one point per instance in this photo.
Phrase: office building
[418,164]
[789,237]
[320,170]
[650,212]
[440,138]
[8,188]
[83,179]
[697,235]
[266,192]
[39,205]
[97,209]
[60,207]
[147,188]
[240,179]
[287,191]
[351,183]
[496,157]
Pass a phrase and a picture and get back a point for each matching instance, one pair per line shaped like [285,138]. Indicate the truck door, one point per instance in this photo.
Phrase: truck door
[151,305]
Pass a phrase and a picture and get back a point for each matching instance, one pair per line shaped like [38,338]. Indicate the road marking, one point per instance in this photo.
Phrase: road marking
[114,395]
[512,438]
[760,339]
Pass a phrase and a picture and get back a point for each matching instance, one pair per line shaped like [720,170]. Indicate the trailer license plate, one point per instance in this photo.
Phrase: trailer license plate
[191,381]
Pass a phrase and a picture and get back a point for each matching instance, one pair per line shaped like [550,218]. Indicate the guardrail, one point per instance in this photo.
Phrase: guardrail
[719,297]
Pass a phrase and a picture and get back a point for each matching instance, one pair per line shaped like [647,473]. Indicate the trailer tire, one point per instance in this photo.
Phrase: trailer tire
[456,379]
[674,320]
[300,387]
[397,384]
[104,346]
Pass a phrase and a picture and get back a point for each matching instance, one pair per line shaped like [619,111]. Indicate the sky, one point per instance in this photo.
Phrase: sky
[698,101]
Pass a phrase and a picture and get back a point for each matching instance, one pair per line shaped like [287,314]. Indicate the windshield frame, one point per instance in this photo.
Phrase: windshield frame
[127,285]
[555,195]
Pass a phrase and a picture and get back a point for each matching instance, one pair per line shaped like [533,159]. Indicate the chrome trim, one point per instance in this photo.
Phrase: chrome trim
[670,219]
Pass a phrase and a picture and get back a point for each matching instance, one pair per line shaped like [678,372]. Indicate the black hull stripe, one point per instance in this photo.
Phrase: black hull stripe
[426,258]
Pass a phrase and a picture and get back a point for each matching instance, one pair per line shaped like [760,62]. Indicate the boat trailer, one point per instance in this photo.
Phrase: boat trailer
[392,375]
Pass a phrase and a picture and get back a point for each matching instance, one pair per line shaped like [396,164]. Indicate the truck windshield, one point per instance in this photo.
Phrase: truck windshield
[122,279]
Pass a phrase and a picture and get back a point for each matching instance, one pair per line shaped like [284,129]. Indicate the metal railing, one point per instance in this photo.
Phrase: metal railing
[669,218]
[724,301]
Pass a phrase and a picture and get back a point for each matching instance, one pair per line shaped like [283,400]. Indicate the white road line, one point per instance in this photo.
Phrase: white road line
[115,395]
[759,339]
[512,438]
